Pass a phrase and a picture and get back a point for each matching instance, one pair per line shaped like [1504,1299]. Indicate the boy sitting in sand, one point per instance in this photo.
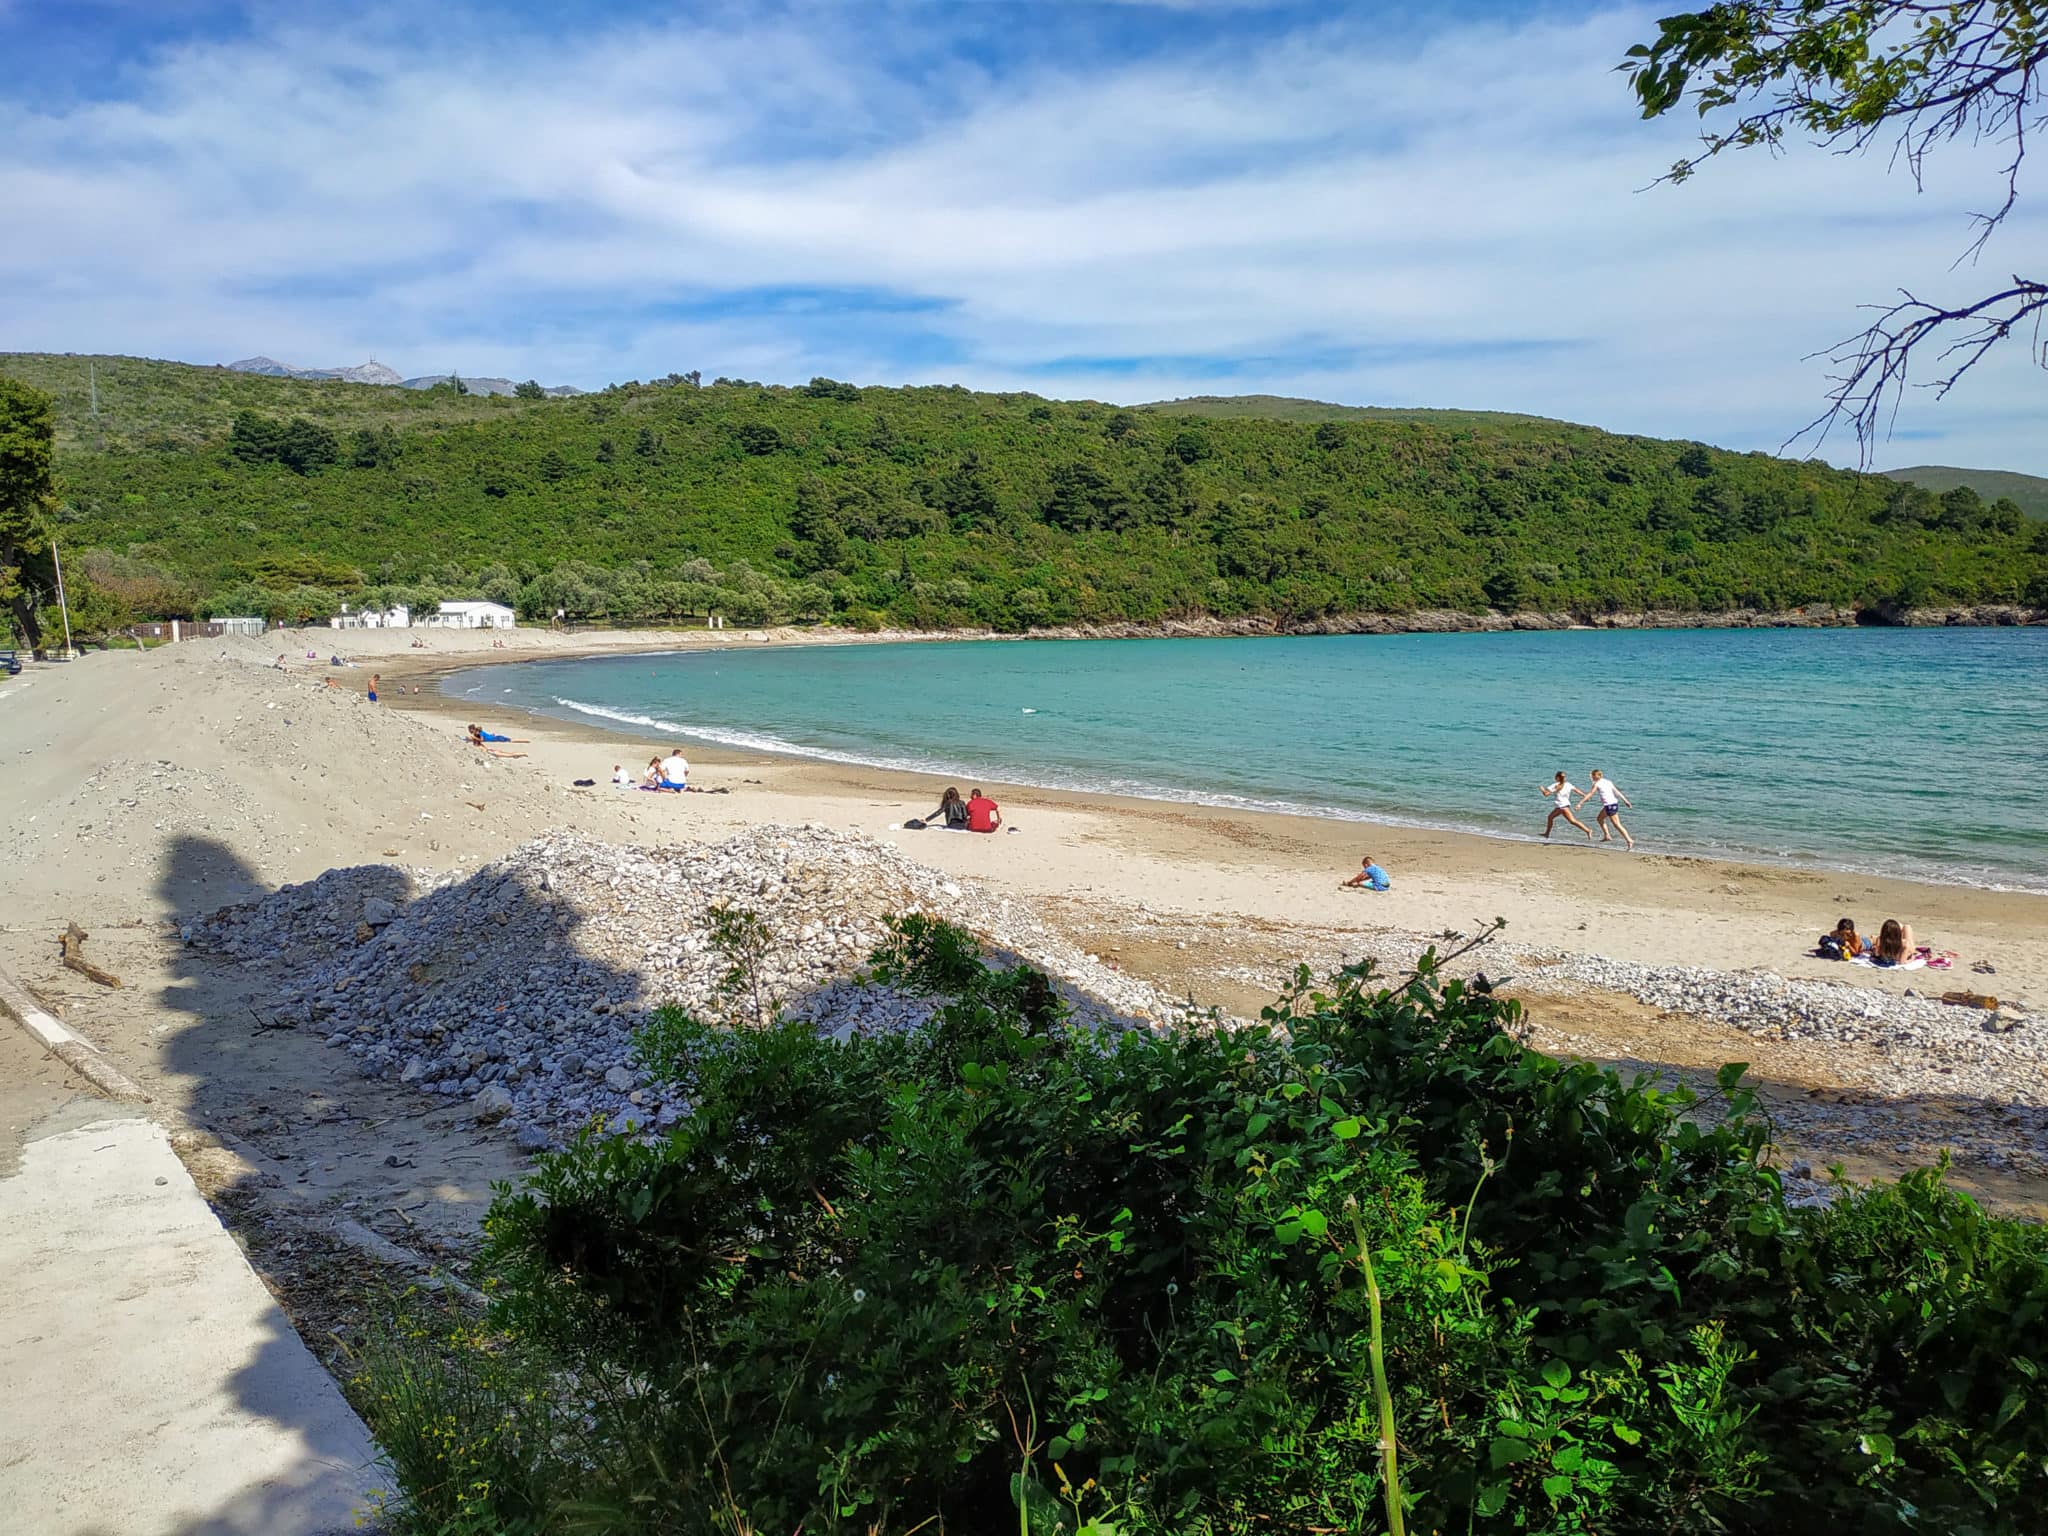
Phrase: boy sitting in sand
[983,815]
[1370,877]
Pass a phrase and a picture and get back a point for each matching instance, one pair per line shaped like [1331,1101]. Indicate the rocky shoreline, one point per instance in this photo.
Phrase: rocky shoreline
[1434,621]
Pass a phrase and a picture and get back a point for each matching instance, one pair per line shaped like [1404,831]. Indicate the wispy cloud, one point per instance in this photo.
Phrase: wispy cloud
[1058,198]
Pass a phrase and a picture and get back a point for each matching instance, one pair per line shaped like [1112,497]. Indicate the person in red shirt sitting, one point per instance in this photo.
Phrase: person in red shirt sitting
[982,814]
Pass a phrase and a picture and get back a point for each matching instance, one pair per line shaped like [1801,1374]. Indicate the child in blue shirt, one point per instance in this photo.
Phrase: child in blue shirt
[1370,877]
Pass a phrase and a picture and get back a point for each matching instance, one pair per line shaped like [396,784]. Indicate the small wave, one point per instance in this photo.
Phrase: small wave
[1079,782]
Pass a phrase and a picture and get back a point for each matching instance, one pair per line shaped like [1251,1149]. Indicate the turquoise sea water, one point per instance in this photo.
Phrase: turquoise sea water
[1918,752]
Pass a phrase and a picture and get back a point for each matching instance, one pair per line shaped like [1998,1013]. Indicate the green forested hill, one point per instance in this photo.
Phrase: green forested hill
[1291,408]
[939,506]
[2027,492]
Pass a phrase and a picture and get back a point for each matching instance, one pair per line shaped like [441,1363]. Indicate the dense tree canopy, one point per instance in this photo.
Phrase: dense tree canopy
[27,432]
[936,506]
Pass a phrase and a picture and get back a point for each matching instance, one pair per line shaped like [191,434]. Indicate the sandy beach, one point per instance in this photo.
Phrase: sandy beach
[148,789]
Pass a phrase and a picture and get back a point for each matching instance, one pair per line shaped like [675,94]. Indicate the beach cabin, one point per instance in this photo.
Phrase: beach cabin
[397,616]
[240,624]
[468,614]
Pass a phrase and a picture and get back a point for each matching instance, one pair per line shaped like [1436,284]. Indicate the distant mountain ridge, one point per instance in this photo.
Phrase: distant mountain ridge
[2028,492]
[374,372]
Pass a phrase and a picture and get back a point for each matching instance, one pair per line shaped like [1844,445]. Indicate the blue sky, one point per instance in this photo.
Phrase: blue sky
[1393,205]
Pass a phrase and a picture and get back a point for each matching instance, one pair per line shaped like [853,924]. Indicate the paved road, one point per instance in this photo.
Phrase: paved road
[154,1388]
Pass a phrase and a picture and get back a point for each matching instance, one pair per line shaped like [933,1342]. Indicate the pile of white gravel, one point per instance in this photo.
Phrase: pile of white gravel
[520,987]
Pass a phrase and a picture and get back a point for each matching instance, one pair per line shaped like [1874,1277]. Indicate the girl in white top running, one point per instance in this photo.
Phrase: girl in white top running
[1609,810]
[1560,795]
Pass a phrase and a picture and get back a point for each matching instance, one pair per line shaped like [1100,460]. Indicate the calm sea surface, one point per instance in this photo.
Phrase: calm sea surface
[1917,752]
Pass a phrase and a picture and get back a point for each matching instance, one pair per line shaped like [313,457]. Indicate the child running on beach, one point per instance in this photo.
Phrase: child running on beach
[1609,811]
[1560,794]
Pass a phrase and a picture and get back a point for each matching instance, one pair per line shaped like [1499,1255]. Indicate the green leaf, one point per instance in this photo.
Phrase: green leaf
[1256,1124]
[1557,1486]
[1314,1223]
[1557,1373]
[1346,1130]
[1729,1075]
[1057,1448]
[1503,1450]
[1626,1434]
[1223,1373]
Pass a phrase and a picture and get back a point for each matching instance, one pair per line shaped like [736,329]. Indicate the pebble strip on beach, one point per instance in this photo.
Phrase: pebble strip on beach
[520,986]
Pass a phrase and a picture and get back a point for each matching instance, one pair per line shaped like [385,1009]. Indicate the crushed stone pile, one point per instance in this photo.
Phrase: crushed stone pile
[520,987]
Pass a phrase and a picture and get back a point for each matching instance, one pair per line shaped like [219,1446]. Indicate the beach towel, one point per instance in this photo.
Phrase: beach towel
[1913,963]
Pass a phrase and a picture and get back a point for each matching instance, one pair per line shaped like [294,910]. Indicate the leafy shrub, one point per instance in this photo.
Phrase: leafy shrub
[1001,1272]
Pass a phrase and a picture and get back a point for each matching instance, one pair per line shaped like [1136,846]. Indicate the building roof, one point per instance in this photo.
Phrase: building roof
[472,605]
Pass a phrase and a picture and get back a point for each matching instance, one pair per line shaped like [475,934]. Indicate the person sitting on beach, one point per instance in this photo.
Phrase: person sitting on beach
[620,777]
[1560,795]
[952,812]
[1894,944]
[1842,943]
[1370,877]
[1609,811]
[675,772]
[983,815]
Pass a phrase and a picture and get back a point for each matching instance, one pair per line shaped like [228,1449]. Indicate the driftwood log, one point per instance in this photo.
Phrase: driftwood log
[73,941]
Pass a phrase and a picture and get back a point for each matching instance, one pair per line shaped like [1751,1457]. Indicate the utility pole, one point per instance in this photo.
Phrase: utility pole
[70,651]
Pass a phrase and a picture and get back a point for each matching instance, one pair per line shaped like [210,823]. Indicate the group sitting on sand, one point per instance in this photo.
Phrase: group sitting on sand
[976,813]
[670,773]
[1560,792]
[1893,947]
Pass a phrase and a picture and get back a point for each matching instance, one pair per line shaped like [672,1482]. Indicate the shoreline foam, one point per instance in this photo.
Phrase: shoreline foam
[629,725]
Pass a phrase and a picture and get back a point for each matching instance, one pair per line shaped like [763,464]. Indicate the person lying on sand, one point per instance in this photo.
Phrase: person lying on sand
[479,737]
[1560,794]
[1842,943]
[1370,877]
[1894,944]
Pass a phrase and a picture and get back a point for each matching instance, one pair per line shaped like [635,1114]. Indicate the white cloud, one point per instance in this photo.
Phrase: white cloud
[1381,218]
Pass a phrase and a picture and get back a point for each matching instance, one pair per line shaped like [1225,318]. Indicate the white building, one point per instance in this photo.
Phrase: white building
[472,615]
[394,617]
[240,625]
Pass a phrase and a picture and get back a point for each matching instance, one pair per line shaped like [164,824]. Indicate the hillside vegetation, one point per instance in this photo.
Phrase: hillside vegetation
[937,506]
[1293,408]
[2027,492]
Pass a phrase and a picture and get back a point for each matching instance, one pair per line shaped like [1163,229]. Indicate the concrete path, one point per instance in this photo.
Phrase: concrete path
[152,1385]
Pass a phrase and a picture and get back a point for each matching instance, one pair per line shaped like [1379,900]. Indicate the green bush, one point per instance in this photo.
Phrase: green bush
[1099,515]
[1003,1273]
